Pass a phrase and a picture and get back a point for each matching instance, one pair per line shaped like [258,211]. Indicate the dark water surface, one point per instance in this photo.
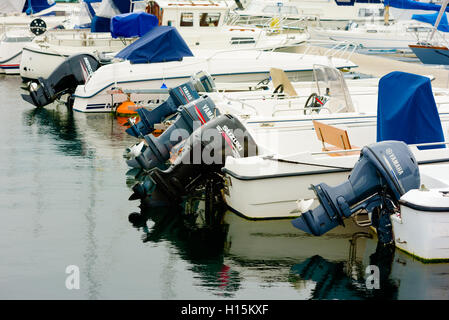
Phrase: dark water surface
[64,201]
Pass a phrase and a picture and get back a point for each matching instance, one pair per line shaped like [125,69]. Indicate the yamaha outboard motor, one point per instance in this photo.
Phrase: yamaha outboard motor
[204,153]
[74,71]
[383,173]
[181,95]
[157,150]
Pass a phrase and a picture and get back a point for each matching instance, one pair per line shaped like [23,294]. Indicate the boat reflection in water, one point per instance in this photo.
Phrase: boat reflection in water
[60,125]
[196,241]
[232,254]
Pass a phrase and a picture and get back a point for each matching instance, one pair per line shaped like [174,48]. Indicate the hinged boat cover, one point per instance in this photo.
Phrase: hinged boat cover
[160,44]
[406,110]
[134,24]
[431,18]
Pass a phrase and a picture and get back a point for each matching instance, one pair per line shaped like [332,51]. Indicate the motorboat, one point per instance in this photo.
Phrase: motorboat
[134,80]
[17,33]
[331,14]
[301,165]
[89,33]
[202,24]
[11,45]
[395,36]
[20,13]
[161,59]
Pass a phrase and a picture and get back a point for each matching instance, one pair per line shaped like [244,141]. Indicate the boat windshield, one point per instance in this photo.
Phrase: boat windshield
[331,84]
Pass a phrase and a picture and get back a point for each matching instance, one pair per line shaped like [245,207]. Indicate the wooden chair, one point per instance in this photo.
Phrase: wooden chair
[333,138]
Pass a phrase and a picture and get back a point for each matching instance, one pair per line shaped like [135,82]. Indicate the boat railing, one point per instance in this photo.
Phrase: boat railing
[244,104]
[277,23]
[438,39]
[339,49]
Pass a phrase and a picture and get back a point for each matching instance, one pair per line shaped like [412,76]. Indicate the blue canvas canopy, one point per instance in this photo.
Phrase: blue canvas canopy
[406,110]
[431,18]
[160,44]
[101,22]
[134,24]
[415,5]
[35,6]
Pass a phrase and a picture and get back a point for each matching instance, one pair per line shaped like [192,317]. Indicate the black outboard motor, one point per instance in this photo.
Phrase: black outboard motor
[203,153]
[74,71]
[191,116]
[181,95]
[384,172]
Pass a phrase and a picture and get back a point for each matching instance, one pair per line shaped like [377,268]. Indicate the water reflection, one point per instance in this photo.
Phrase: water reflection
[59,124]
[334,280]
[199,243]
[234,251]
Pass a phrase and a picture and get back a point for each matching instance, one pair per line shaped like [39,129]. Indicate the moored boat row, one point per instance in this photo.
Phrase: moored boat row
[220,108]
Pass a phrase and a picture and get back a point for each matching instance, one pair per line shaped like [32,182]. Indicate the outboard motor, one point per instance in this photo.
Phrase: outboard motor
[74,71]
[157,151]
[383,173]
[204,153]
[181,95]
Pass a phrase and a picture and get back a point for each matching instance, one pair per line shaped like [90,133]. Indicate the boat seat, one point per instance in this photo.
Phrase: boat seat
[279,77]
[333,138]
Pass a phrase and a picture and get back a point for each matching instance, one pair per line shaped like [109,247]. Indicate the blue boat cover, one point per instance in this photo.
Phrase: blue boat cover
[160,44]
[35,6]
[410,4]
[134,24]
[406,110]
[431,18]
[122,5]
[100,24]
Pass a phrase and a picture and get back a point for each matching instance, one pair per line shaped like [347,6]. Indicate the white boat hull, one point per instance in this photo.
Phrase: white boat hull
[422,226]
[228,66]
[273,188]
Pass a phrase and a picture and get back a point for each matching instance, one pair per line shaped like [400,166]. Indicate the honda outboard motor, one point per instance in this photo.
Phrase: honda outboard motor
[203,153]
[383,173]
[190,116]
[74,71]
[181,95]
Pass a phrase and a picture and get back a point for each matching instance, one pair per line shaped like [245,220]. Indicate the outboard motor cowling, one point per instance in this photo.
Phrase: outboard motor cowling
[178,96]
[190,116]
[204,152]
[74,71]
[384,172]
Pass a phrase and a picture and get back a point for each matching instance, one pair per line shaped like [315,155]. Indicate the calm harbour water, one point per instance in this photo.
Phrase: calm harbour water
[64,201]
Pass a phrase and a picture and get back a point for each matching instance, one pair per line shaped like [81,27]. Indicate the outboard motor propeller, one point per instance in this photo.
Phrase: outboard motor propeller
[157,150]
[181,95]
[204,153]
[74,71]
[383,173]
